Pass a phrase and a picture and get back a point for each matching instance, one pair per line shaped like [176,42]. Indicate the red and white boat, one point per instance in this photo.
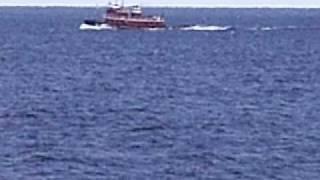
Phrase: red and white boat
[128,17]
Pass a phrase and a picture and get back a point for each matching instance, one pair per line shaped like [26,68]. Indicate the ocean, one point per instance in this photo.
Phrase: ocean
[241,103]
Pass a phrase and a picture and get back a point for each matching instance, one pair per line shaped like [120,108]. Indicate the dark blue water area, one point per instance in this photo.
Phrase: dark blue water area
[134,104]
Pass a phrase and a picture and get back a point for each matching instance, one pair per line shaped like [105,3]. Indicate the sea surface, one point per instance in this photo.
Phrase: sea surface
[236,104]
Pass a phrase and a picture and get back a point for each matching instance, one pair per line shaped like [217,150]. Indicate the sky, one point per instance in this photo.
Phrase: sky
[175,3]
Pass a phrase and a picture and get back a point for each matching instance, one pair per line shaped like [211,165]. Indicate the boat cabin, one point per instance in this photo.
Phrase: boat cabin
[121,11]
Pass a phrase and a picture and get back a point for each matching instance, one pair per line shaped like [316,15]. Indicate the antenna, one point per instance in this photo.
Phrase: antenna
[122,3]
[96,8]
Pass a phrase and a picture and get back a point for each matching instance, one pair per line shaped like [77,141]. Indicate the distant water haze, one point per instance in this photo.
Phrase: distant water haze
[170,3]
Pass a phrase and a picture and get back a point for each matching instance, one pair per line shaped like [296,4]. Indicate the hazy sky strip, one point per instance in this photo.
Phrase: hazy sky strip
[194,3]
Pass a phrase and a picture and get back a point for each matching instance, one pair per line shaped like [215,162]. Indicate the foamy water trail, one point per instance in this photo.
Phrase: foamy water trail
[97,27]
[205,28]
[279,28]
[268,28]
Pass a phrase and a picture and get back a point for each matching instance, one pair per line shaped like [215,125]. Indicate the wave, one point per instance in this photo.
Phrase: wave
[239,28]
[205,28]
[275,28]
[280,28]
[96,27]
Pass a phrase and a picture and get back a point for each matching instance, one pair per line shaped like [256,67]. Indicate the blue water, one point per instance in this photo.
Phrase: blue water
[240,104]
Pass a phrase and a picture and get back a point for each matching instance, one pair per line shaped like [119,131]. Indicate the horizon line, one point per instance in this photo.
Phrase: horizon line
[166,6]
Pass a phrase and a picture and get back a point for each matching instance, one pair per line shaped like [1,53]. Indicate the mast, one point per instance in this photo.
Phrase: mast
[122,3]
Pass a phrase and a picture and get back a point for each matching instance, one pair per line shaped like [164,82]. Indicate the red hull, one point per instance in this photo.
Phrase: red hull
[135,23]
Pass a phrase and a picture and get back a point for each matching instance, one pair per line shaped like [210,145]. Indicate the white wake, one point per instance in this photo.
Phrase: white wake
[97,27]
[205,28]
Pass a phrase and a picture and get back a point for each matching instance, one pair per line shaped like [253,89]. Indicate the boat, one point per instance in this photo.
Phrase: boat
[128,17]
